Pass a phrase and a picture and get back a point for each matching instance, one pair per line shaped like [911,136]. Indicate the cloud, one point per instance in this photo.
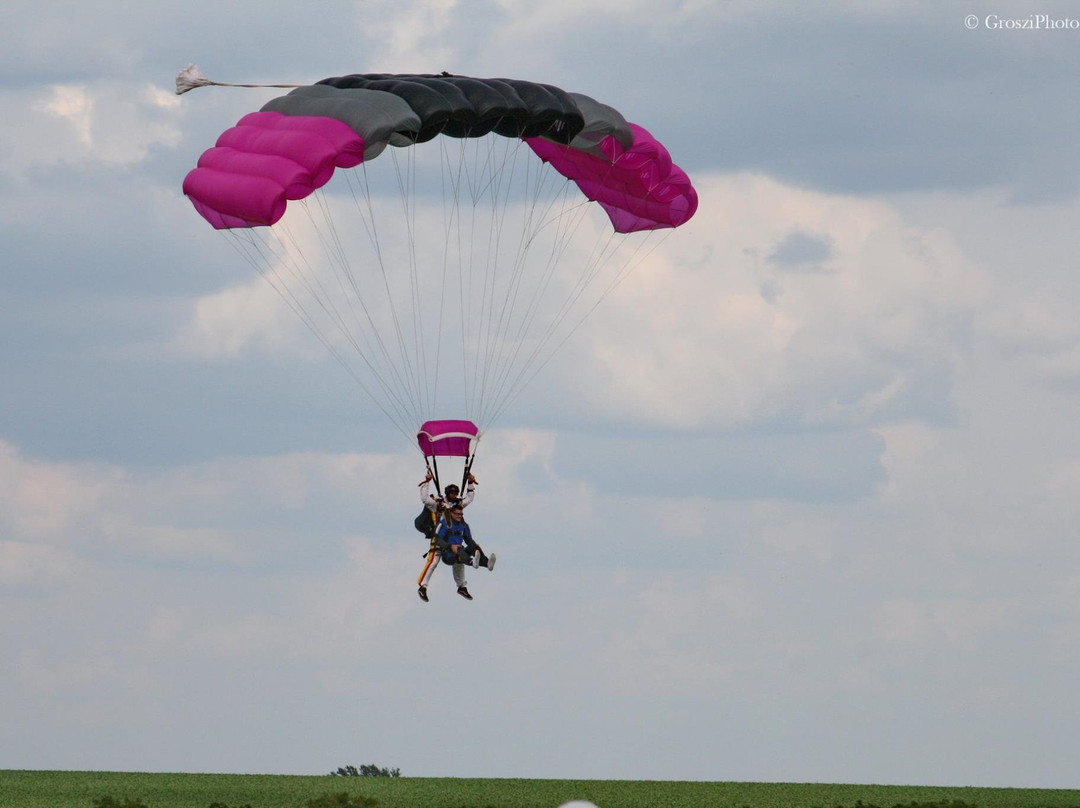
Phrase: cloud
[225,324]
[745,342]
[73,104]
[42,676]
[126,40]
[662,650]
[1037,329]
[806,465]
[42,499]
[53,509]
[413,33]
[85,126]
[26,563]
[940,625]
[800,250]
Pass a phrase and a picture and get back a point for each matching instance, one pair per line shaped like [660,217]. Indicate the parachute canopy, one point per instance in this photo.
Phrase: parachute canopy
[293,145]
[448,438]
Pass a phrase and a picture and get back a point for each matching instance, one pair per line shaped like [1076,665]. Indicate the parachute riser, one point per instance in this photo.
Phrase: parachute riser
[468,470]
[433,470]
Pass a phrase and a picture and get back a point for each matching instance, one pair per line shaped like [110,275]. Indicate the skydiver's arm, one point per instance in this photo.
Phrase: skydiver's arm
[470,492]
[426,497]
[441,534]
[470,542]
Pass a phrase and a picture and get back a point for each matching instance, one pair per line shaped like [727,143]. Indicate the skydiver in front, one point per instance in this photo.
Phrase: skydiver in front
[456,545]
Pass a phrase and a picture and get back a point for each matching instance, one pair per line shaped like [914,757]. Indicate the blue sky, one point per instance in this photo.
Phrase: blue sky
[798,502]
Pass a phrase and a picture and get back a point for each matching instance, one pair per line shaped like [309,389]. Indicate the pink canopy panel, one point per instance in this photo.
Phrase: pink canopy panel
[265,160]
[639,187]
[447,438]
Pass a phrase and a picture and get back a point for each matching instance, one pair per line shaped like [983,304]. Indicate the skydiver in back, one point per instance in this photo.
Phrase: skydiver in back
[434,506]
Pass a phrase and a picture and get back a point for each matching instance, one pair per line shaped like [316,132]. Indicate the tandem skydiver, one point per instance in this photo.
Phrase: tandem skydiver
[443,522]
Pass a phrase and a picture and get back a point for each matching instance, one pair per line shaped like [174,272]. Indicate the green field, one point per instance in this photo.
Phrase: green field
[53,789]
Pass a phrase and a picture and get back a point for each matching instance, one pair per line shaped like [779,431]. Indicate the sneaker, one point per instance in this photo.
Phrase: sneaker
[491,562]
[464,593]
[476,561]
[422,592]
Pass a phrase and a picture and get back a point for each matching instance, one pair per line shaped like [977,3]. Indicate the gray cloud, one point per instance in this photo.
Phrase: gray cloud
[800,250]
[801,466]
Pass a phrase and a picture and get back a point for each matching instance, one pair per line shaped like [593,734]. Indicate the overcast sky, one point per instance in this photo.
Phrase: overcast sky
[798,503]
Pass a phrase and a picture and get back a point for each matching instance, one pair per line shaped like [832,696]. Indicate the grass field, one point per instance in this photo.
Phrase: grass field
[53,789]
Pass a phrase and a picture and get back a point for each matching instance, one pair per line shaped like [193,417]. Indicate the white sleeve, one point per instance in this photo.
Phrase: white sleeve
[470,492]
[426,498]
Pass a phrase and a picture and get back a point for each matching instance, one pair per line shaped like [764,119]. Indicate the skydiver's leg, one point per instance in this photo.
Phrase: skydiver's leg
[459,575]
[476,555]
[430,563]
